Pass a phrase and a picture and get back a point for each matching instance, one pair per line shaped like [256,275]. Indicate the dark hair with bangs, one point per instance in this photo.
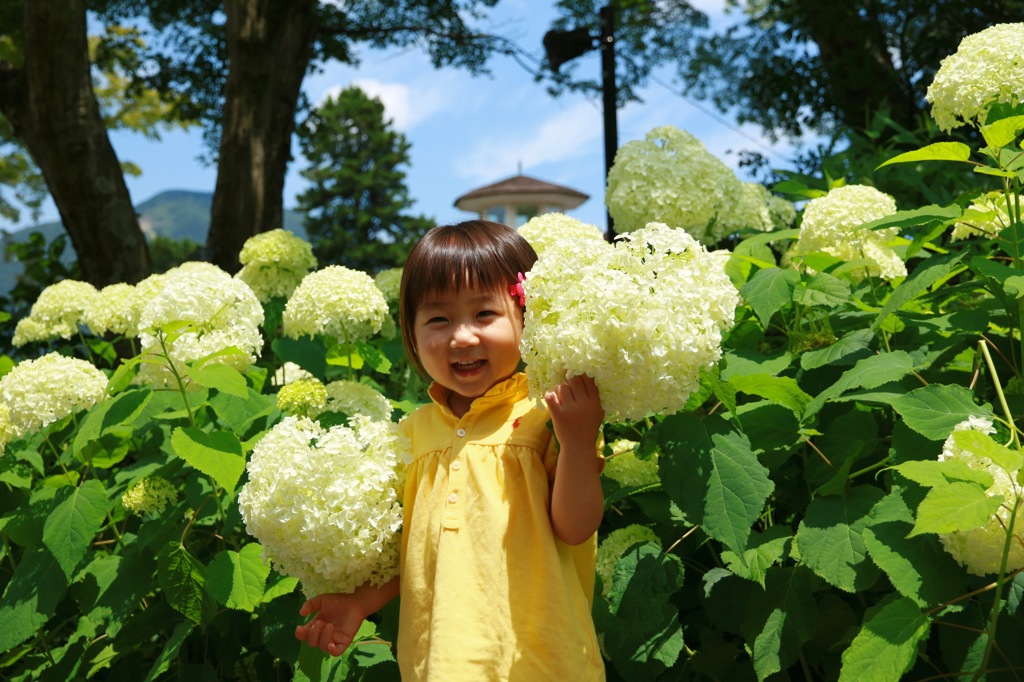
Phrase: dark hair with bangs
[474,254]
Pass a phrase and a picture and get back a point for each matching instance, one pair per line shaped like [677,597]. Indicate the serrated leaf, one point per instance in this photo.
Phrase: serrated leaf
[933,473]
[768,644]
[283,586]
[768,291]
[784,391]
[956,506]
[373,358]
[830,538]
[917,567]
[345,355]
[122,410]
[823,290]
[982,444]
[886,646]
[221,377]
[933,411]
[1002,132]
[765,550]
[219,454]
[237,579]
[181,577]
[915,217]
[170,651]
[74,522]
[849,344]
[710,471]
[25,607]
[871,372]
[923,277]
[937,151]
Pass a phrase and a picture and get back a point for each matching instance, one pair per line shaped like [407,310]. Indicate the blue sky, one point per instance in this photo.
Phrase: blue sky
[470,131]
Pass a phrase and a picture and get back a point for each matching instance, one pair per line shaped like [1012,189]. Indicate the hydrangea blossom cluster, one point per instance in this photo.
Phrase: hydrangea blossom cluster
[642,317]
[151,495]
[116,309]
[985,217]
[670,177]
[219,313]
[628,470]
[57,313]
[305,397]
[274,263]
[352,398]
[41,391]
[7,433]
[988,67]
[548,228]
[831,225]
[614,546]
[325,503]
[338,302]
[980,550]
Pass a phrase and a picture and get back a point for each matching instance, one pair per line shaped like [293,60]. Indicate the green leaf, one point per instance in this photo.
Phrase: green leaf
[938,151]
[218,455]
[823,290]
[373,358]
[283,586]
[933,473]
[221,377]
[766,549]
[768,644]
[886,646]
[170,651]
[121,410]
[830,538]
[643,635]
[181,577]
[709,470]
[306,353]
[768,426]
[768,291]
[746,361]
[850,344]
[74,522]
[933,411]
[345,355]
[237,579]
[781,390]
[956,506]
[923,277]
[871,372]
[26,607]
[914,217]
[982,444]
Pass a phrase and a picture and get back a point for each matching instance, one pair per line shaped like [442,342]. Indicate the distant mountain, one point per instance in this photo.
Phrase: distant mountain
[175,214]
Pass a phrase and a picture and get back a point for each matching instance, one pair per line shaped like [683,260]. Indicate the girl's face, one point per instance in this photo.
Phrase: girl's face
[468,341]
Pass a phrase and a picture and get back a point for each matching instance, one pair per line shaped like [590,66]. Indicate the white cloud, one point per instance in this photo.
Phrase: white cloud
[404,105]
[570,134]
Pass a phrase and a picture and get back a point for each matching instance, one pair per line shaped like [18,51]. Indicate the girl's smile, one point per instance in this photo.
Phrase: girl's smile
[468,341]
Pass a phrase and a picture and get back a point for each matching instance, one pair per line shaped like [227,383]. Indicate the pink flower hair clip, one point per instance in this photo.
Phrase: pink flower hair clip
[517,290]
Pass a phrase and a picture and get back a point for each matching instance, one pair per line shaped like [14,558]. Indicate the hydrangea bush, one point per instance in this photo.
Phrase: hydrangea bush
[838,497]
[545,230]
[338,302]
[274,263]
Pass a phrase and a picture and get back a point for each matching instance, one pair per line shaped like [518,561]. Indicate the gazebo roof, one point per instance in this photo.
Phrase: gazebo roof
[517,188]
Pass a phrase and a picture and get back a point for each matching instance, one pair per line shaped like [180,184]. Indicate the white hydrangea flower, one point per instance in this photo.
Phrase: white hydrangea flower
[305,397]
[57,313]
[352,398]
[151,495]
[988,67]
[641,317]
[985,217]
[548,228]
[338,302]
[116,309]
[626,469]
[614,545]
[7,433]
[831,225]
[274,263]
[670,177]
[219,313]
[324,503]
[980,550]
[289,372]
[41,391]
[390,283]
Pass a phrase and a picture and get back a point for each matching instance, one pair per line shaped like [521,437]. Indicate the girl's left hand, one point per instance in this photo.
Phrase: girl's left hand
[576,412]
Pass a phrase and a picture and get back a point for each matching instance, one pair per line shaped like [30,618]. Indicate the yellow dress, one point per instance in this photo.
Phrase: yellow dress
[488,593]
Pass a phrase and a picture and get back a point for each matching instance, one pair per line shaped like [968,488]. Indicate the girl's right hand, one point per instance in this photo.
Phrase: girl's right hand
[336,621]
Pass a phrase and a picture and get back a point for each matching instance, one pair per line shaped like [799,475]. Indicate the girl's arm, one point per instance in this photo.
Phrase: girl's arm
[577,501]
[338,616]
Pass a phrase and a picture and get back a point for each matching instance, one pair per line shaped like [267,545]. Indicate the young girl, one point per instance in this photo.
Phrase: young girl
[500,521]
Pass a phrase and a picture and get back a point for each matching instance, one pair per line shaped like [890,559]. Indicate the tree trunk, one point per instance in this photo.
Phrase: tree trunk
[861,73]
[53,111]
[269,44]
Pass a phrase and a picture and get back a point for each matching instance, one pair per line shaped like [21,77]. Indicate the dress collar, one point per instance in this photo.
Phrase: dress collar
[513,389]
